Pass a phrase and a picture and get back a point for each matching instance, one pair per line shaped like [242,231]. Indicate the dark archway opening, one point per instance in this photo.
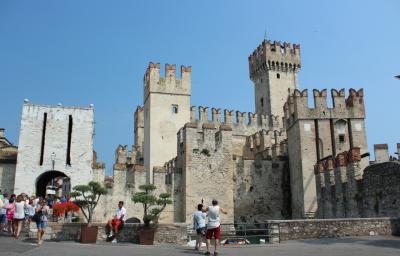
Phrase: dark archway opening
[52,180]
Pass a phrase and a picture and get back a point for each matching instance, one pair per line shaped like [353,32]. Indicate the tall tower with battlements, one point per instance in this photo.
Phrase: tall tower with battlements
[166,110]
[273,69]
[317,133]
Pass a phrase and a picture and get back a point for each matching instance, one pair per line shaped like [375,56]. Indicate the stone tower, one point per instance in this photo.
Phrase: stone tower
[273,69]
[54,142]
[318,133]
[166,110]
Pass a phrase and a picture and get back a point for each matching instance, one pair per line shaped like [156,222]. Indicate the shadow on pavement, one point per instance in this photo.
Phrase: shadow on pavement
[389,241]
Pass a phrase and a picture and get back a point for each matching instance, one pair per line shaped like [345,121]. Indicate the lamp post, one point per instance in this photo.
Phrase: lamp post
[53,160]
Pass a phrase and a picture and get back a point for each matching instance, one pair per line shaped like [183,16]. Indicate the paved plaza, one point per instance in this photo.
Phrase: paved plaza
[360,246]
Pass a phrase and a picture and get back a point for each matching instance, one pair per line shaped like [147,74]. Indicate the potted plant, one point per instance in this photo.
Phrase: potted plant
[153,205]
[87,197]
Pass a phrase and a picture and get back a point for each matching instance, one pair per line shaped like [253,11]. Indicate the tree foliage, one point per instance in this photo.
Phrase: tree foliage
[87,197]
[153,205]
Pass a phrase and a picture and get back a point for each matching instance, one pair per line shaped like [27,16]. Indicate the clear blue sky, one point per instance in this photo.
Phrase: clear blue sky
[82,52]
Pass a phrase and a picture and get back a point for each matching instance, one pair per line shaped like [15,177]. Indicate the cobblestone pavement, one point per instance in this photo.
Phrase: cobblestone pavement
[360,246]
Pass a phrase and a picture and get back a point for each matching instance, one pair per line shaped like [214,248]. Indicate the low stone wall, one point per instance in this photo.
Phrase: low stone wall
[282,230]
[173,233]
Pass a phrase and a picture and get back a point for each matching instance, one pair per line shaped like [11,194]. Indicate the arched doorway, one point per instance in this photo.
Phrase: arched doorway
[54,181]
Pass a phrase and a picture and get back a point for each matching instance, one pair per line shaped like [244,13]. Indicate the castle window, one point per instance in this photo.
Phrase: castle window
[262,102]
[341,138]
[174,109]
[278,76]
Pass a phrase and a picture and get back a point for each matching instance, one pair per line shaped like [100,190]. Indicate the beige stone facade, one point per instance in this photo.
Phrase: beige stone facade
[166,110]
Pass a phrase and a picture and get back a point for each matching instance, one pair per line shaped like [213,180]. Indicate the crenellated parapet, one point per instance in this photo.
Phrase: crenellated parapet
[241,122]
[125,157]
[139,116]
[274,56]
[268,144]
[338,182]
[297,105]
[205,133]
[154,82]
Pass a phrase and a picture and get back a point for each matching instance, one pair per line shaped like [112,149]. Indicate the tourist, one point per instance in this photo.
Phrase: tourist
[19,215]
[114,225]
[29,212]
[63,199]
[3,213]
[213,226]
[199,224]
[10,214]
[41,219]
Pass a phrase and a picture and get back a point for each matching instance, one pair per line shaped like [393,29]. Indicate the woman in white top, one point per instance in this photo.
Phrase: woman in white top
[199,224]
[19,215]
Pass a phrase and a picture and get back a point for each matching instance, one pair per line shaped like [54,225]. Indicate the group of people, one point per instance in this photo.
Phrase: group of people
[17,210]
[209,230]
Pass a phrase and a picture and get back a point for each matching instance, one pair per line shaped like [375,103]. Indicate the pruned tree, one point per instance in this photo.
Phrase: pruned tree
[153,205]
[87,197]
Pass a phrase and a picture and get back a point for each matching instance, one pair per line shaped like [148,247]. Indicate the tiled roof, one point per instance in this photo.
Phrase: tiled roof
[8,154]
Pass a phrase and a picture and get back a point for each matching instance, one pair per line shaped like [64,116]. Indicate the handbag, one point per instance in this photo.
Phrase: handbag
[202,230]
[37,217]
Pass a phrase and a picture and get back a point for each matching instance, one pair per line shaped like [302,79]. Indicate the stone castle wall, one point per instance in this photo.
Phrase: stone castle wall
[262,190]
[345,190]
[381,190]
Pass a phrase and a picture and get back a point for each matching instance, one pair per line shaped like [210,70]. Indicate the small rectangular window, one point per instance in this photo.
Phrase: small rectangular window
[341,138]
[174,109]
[262,102]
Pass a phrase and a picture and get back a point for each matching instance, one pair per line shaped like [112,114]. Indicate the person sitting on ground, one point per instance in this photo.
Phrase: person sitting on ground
[213,226]
[199,224]
[114,225]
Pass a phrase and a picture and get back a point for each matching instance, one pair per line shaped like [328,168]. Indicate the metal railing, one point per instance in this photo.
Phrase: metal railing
[257,233]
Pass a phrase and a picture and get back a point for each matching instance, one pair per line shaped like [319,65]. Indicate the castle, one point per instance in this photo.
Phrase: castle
[275,163]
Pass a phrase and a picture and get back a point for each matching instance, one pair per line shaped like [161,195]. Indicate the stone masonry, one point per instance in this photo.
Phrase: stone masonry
[345,190]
